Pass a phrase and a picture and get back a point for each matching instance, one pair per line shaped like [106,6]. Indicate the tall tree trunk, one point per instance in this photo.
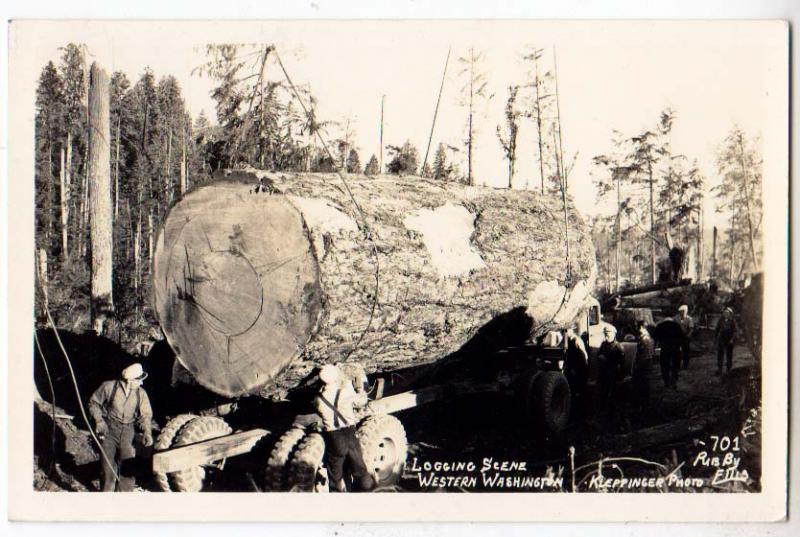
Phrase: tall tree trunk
[539,121]
[168,179]
[69,190]
[746,194]
[701,263]
[49,205]
[64,193]
[470,177]
[619,227]
[83,230]
[652,226]
[101,224]
[116,173]
[137,253]
[183,165]
[714,254]
[380,162]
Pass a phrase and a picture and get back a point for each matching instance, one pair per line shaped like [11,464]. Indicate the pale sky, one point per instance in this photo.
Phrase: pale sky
[612,75]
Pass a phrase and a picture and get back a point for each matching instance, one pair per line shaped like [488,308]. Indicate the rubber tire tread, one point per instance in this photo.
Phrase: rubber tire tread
[545,388]
[307,459]
[276,472]
[370,433]
[164,441]
[202,428]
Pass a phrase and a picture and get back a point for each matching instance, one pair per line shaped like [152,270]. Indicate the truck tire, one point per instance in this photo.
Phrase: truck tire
[164,441]
[384,448]
[275,475]
[306,464]
[197,430]
[548,401]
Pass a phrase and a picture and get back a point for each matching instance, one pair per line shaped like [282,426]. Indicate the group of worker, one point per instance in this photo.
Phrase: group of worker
[119,406]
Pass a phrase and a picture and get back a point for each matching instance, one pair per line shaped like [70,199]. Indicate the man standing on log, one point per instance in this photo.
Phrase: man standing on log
[687,326]
[116,407]
[336,404]
[725,338]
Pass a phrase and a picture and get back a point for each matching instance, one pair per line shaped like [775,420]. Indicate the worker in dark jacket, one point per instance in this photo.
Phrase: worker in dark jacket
[669,335]
[576,368]
[336,404]
[726,333]
[610,358]
[117,407]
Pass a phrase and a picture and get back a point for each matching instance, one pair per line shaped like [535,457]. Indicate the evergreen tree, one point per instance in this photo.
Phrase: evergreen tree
[49,131]
[405,159]
[371,169]
[440,170]
[739,194]
[353,162]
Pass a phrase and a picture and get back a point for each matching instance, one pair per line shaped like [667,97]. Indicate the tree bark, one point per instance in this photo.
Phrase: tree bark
[271,285]
[101,222]
[539,121]
[170,190]
[747,206]
[470,176]
[652,226]
[183,165]
[116,173]
[68,190]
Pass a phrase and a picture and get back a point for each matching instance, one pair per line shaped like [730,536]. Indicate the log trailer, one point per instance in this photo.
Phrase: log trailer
[533,374]
[259,279]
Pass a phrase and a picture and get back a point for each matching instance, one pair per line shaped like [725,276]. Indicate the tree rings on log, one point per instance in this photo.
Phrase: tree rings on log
[236,285]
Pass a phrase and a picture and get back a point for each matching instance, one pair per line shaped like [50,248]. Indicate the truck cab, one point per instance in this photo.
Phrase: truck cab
[592,325]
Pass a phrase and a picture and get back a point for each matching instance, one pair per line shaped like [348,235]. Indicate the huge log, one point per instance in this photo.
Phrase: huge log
[260,277]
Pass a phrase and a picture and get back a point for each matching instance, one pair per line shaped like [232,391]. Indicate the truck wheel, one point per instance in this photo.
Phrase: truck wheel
[307,465]
[384,447]
[275,474]
[164,441]
[197,430]
[549,400]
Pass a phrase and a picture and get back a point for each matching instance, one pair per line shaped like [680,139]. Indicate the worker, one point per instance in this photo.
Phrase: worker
[726,333]
[669,335]
[117,407]
[576,367]
[687,327]
[645,350]
[610,358]
[336,404]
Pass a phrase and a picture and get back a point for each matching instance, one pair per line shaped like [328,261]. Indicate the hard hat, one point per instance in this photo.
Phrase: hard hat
[134,372]
[329,374]
[684,308]
[608,329]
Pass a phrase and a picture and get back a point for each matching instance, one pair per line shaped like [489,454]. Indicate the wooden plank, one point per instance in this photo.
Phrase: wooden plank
[207,451]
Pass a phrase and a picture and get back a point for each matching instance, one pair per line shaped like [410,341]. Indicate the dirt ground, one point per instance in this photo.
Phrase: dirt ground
[676,435]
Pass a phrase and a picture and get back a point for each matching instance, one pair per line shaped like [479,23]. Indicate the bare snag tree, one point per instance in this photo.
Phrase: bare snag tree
[508,141]
[101,210]
[473,91]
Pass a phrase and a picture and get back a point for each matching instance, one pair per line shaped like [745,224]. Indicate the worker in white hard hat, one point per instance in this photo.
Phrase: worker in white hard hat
[687,326]
[118,407]
[336,404]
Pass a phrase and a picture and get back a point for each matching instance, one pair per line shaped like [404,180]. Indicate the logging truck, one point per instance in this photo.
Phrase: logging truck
[259,279]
